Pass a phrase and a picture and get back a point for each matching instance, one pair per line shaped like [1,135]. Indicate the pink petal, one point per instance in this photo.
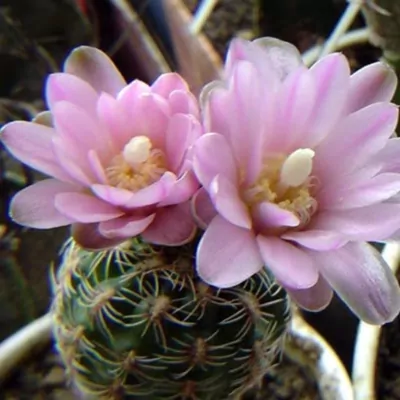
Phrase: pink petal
[203,209]
[153,193]
[85,208]
[213,156]
[227,255]
[113,195]
[363,280]
[80,129]
[315,298]
[96,68]
[67,87]
[32,144]
[291,266]
[371,223]
[182,190]
[183,102]
[130,93]
[375,190]
[88,237]
[318,240]
[332,76]
[75,163]
[117,129]
[228,203]
[217,109]
[371,84]
[388,157]
[296,100]
[283,57]
[182,131]
[167,83]
[96,166]
[125,227]
[172,226]
[247,119]
[273,58]
[34,206]
[360,136]
[269,215]
[149,116]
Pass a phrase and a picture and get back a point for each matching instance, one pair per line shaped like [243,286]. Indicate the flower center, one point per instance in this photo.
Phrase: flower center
[137,166]
[286,181]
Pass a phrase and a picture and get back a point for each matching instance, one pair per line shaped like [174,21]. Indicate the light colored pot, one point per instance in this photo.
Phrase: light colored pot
[367,342]
[305,347]
[309,349]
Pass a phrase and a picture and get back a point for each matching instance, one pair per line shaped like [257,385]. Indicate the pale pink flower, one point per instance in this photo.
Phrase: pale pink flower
[118,155]
[298,172]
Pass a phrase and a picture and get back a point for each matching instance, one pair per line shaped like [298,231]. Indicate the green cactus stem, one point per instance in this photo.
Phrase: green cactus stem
[137,323]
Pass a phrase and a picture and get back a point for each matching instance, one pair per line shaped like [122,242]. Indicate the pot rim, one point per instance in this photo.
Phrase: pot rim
[329,371]
[368,337]
[332,377]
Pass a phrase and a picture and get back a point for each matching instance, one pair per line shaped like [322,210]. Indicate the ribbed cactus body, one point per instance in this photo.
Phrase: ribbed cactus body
[137,323]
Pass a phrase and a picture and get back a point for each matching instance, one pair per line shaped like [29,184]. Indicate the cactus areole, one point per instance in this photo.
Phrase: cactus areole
[137,323]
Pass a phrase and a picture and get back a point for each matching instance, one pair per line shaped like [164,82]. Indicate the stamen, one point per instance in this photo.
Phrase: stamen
[297,168]
[137,150]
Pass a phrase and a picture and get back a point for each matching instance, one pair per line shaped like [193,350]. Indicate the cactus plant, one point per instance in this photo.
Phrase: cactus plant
[135,322]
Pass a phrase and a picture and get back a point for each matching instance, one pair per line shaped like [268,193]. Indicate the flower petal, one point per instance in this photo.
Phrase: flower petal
[315,298]
[372,223]
[114,195]
[332,77]
[291,266]
[203,209]
[363,280]
[357,138]
[32,144]
[96,68]
[182,132]
[84,208]
[213,156]
[269,215]
[227,255]
[375,190]
[228,203]
[295,104]
[67,87]
[182,190]
[172,226]
[273,58]
[154,193]
[372,84]
[34,206]
[166,83]
[88,237]
[317,239]
[125,227]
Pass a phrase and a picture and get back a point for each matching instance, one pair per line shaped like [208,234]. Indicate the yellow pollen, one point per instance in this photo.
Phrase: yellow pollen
[137,166]
[287,182]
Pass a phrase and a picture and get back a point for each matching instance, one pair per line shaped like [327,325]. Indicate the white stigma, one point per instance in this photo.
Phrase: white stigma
[297,167]
[137,150]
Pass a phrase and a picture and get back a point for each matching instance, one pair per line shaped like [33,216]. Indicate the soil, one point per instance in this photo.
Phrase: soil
[44,379]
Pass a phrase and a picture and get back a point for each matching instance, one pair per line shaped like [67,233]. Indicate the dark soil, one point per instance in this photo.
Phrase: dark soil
[44,379]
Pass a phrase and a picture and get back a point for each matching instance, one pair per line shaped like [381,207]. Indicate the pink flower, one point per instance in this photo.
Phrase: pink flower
[298,171]
[118,155]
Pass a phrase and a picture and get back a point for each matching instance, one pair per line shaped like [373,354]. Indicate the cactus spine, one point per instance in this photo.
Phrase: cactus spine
[136,322]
